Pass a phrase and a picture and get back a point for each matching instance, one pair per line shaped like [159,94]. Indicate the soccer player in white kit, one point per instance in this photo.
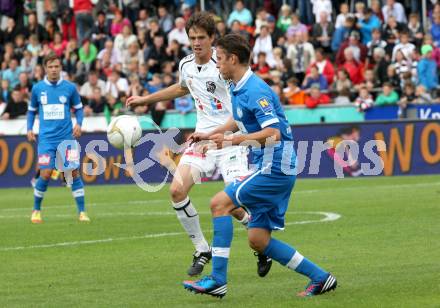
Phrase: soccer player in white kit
[199,76]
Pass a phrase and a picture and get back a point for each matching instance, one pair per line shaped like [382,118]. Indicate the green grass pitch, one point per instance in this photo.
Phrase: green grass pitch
[384,249]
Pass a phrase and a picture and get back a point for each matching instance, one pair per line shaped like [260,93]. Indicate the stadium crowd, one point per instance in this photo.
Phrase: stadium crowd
[315,52]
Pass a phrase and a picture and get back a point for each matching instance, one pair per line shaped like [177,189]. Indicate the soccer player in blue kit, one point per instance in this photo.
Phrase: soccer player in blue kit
[53,98]
[258,115]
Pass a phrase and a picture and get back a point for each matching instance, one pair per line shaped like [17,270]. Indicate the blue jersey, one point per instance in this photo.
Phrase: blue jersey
[256,106]
[53,102]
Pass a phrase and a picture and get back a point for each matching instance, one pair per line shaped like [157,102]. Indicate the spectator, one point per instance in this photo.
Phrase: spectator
[422,97]
[51,28]
[24,86]
[315,98]
[33,46]
[359,9]
[342,81]
[325,67]
[166,21]
[58,45]
[16,106]
[263,43]
[367,25]
[12,73]
[87,54]
[343,97]
[261,67]
[240,13]
[370,81]
[402,65]
[153,30]
[221,29]
[296,27]
[435,29]
[365,100]
[427,69]
[358,49]
[392,77]
[4,95]
[376,42]
[353,67]
[322,32]
[301,54]
[408,97]
[313,78]
[68,22]
[71,56]
[405,46]
[179,33]
[341,34]
[28,62]
[344,13]
[96,103]
[156,54]
[415,30]
[93,81]
[236,28]
[284,18]
[11,31]
[320,6]
[100,31]
[260,20]
[124,39]
[395,9]
[84,19]
[377,10]
[390,33]
[293,93]
[278,38]
[388,96]
[115,85]
[113,53]
[118,23]
[142,23]
[379,64]
[35,29]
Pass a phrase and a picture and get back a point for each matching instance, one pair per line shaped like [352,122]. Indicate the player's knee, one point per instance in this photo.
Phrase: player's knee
[220,206]
[177,193]
[256,243]
[45,174]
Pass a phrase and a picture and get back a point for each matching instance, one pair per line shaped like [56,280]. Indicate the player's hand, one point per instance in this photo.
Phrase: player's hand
[196,137]
[219,140]
[134,101]
[77,131]
[31,136]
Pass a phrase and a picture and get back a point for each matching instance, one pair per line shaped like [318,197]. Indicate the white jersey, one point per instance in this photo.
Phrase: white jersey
[209,90]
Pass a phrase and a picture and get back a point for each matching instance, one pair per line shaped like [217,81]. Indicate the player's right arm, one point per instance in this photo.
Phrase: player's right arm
[32,110]
[167,94]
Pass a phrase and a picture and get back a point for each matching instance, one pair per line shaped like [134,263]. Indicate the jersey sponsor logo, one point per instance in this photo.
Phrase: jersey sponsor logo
[44,159]
[72,155]
[53,112]
[216,104]
[265,105]
[43,98]
[210,86]
[63,99]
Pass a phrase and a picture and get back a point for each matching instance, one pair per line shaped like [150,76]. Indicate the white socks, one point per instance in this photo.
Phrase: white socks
[188,217]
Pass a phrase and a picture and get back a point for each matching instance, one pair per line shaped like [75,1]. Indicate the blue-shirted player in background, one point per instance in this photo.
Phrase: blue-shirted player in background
[258,115]
[53,98]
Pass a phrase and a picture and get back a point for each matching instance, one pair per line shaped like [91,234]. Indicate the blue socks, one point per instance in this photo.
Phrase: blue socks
[78,193]
[39,190]
[221,244]
[289,257]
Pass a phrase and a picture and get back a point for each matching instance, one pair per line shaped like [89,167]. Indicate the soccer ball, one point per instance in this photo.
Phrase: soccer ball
[124,131]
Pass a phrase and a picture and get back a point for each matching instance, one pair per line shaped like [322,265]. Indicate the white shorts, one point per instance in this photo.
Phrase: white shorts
[231,161]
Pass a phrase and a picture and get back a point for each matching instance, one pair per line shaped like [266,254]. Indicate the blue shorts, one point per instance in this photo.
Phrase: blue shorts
[58,155]
[265,196]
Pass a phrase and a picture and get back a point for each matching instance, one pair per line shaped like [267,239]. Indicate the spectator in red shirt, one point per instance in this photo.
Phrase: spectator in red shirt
[353,67]
[316,98]
[325,67]
[261,68]
[84,19]
[359,50]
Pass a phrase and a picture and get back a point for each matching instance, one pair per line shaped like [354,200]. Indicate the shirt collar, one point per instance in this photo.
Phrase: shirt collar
[50,83]
[243,80]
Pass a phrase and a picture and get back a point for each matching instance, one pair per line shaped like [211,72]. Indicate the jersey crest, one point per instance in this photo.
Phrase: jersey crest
[210,86]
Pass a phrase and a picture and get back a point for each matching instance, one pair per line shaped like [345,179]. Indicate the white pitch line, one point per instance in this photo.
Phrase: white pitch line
[328,216]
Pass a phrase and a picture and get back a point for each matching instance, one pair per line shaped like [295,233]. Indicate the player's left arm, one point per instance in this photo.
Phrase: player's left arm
[79,113]
[264,112]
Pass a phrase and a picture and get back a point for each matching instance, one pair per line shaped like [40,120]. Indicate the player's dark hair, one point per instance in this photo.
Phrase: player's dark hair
[235,44]
[202,20]
[50,57]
